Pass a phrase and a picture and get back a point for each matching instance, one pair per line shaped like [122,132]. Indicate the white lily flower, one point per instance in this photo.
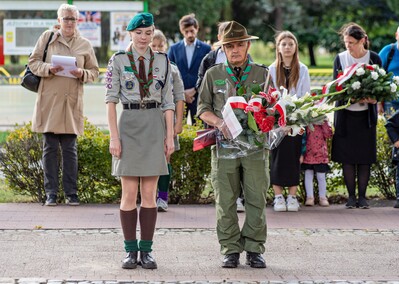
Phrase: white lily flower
[374,75]
[382,72]
[396,79]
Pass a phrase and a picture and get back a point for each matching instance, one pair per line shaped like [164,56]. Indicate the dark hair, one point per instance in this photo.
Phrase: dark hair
[188,21]
[355,31]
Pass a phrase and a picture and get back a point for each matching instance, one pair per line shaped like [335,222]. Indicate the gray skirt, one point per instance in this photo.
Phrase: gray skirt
[142,134]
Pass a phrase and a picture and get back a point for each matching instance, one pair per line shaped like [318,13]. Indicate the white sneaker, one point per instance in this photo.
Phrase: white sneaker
[162,205]
[240,206]
[292,203]
[279,204]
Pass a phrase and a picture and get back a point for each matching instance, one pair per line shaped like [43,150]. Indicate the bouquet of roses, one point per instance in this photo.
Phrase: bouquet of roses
[360,81]
[249,116]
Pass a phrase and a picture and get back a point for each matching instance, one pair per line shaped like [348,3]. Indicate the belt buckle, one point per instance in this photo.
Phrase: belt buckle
[143,105]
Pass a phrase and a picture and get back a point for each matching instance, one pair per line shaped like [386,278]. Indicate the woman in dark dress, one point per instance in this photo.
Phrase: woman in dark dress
[354,140]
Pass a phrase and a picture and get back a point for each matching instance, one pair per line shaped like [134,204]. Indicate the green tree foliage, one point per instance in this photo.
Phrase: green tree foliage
[167,14]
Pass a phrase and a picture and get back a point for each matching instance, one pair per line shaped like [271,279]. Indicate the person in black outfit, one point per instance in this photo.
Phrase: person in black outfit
[354,141]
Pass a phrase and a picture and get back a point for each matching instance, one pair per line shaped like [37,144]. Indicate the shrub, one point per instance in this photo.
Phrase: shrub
[190,169]
[21,163]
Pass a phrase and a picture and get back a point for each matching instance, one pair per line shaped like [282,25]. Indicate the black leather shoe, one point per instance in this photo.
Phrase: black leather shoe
[255,260]
[130,262]
[147,261]
[51,200]
[231,260]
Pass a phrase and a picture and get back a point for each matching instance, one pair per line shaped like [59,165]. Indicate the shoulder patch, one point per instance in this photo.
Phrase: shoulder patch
[261,65]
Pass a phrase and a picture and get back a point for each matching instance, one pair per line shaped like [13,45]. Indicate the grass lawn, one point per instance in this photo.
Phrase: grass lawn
[9,196]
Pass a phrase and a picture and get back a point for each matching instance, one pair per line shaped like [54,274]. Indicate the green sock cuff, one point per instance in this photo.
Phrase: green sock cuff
[146,246]
[132,245]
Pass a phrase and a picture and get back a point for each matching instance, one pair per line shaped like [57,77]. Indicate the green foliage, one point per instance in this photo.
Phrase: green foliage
[190,169]
[3,136]
[21,163]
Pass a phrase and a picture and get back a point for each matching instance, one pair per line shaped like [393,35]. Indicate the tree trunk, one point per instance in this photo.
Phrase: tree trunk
[311,54]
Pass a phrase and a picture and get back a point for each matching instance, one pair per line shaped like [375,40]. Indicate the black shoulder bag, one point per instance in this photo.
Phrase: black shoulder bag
[30,81]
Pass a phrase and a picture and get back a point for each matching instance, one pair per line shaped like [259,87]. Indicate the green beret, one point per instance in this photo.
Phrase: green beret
[140,20]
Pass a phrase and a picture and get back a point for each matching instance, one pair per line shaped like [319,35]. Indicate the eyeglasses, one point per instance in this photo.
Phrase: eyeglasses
[69,20]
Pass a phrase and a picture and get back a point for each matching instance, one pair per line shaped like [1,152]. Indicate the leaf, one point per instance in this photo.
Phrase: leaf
[252,123]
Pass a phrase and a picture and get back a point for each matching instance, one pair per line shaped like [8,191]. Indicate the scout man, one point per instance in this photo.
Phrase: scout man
[140,143]
[225,172]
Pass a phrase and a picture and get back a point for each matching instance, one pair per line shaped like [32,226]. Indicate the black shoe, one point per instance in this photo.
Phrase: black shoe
[147,261]
[362,203]
[255,260]
[72,200]
[396,204]
[130,262]
[231,260]
[51,200]
[351,202]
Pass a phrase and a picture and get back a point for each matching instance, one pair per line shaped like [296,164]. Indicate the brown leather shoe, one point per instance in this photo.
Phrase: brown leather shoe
[147,261]
[231,260]
[255,260]
[130,262]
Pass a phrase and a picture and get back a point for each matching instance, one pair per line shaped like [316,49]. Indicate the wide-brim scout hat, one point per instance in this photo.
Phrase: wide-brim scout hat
[235,32]
[140,20]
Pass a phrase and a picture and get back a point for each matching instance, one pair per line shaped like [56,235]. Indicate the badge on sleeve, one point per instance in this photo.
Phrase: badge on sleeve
[129,85]
[157,86]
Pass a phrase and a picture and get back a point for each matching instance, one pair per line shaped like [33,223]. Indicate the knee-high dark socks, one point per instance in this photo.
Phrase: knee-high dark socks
[148,218]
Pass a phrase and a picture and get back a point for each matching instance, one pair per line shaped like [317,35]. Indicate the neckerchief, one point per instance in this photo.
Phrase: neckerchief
[238,83]
[144,85]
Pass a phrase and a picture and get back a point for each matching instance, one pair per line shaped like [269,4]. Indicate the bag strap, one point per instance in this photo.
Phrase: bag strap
[390,56]
[45,50]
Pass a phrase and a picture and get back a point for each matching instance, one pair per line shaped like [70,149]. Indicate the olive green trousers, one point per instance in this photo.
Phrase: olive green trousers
[225,178]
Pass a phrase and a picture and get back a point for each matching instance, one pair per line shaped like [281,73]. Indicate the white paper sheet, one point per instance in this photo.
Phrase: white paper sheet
[67,62]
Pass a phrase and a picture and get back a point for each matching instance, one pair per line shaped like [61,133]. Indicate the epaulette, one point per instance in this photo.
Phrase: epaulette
[120,52]
[261,65]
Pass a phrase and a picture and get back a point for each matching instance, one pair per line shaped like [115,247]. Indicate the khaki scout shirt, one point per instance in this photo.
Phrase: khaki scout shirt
[218,86]
[122,84]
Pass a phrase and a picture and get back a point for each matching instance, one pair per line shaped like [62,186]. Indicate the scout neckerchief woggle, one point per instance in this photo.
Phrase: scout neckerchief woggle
[144,84]
[238,83]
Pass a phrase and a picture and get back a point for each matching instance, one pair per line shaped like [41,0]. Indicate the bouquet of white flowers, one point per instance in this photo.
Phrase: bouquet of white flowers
[360,81]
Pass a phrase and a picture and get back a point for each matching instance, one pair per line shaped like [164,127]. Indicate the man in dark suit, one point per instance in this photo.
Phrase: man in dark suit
[188,54]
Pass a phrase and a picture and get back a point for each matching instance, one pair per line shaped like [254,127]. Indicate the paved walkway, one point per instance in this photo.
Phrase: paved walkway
[84,244]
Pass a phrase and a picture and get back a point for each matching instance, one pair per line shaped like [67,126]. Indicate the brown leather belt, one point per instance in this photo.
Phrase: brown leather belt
[143,105]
